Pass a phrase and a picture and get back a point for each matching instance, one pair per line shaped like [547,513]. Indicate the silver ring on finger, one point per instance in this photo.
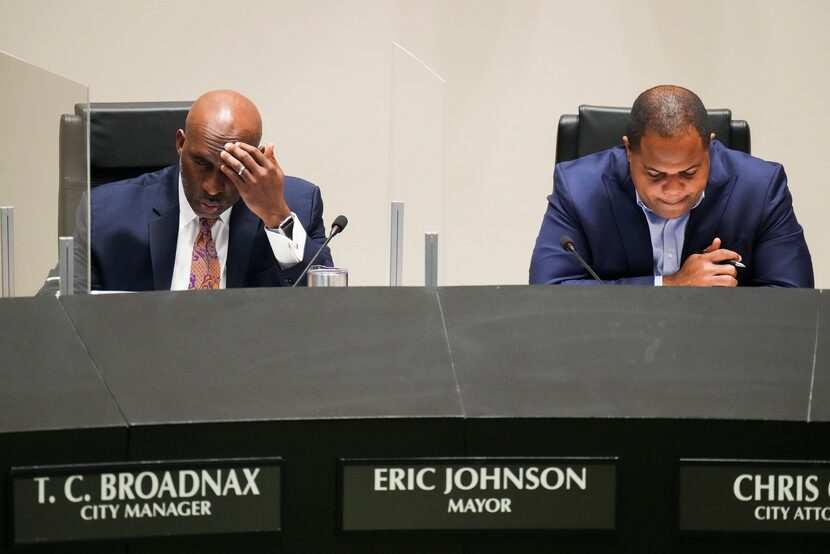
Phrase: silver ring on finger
[241,171]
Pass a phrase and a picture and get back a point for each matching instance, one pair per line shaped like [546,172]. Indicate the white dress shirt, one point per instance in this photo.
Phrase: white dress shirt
[288,252]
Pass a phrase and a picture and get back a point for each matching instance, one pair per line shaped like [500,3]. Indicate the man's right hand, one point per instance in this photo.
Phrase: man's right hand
[706,270]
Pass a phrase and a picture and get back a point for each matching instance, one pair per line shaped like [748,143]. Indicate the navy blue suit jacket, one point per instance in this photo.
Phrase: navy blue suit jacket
[747,204]
[135,226]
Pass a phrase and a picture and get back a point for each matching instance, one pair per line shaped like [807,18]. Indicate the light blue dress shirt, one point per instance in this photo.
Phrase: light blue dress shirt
[667,237]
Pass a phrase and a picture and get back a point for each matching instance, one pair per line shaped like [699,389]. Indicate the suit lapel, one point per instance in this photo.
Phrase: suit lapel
[704,220]
[244,225]
[164,230]
[631,222]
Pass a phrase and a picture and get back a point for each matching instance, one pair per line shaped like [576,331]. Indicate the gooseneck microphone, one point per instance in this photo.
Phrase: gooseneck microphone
[337,227]
[567,243]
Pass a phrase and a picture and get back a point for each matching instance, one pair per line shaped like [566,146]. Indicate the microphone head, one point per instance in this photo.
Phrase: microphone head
[340,223]
[566,242]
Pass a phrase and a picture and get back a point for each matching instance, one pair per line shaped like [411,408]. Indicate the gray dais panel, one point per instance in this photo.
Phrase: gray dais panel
[648,352]
[48,381]
[270,353]
[820,409]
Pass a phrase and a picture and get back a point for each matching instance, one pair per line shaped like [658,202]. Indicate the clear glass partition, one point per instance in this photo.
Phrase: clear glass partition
[416,158]
[44,172]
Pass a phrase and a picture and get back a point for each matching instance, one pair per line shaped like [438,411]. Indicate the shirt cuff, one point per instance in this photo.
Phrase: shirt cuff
[658,280]
[288,251]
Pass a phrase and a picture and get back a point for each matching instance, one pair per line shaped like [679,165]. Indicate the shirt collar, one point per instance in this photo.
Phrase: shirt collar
[648,210]
[186,213]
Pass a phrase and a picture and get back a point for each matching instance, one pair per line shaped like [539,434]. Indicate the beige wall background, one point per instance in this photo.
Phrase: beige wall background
[321,72]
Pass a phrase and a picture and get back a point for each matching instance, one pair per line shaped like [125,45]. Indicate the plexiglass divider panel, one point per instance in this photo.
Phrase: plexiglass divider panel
[33,169]
[416,157]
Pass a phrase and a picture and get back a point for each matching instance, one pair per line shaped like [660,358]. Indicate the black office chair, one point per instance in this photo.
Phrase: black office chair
[598,128]
[126,139]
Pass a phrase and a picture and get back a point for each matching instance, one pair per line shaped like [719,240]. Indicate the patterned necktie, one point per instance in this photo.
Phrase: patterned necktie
[204,268]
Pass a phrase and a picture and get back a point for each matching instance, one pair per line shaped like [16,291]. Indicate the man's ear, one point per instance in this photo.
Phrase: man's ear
[711,137]
[627,148]
[179,142]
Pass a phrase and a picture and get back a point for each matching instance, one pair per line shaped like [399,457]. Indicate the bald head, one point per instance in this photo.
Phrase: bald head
[667,111]
[215,119]
[225,115]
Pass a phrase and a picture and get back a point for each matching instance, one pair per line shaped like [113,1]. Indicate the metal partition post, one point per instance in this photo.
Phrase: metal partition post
[66,265]
[430,260]
[7,250]
[396,246]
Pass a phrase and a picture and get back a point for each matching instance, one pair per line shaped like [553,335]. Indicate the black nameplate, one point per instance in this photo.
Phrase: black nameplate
[478,493]
[144,499]
[754,496]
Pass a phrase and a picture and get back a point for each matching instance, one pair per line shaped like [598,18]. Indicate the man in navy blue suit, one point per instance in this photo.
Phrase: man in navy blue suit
[672,207]
[225,216]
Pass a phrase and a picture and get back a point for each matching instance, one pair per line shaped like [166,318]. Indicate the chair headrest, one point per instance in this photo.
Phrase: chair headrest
[603,127]
[134,134]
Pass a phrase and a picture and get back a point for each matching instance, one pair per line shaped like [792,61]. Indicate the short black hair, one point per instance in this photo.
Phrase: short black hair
[668,111]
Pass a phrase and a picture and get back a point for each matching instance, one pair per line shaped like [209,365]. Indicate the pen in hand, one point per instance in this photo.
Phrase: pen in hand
[734,263]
